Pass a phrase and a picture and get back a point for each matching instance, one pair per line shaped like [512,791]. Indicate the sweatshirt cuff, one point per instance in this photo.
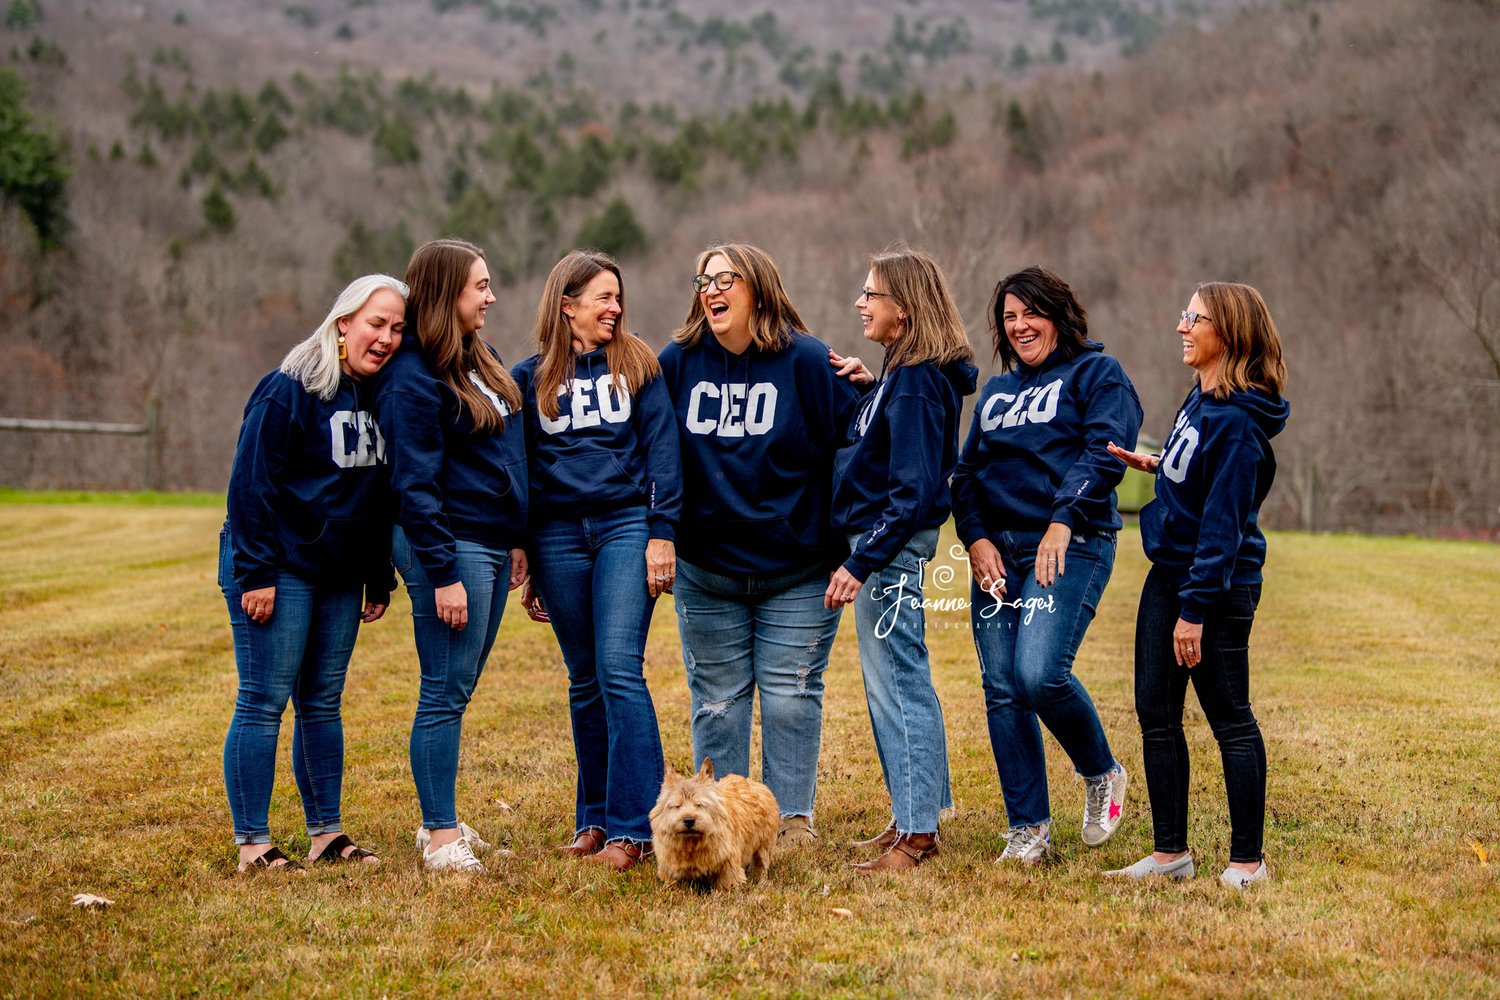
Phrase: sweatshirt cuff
[664,530]
[1066,516]
[971,530]
[858,569]
[1191,614]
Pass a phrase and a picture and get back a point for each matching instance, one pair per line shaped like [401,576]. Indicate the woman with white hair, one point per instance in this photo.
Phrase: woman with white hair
[304,558]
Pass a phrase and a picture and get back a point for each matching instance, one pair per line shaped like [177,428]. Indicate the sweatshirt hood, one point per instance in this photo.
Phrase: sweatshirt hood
[1269,412]
[963,375]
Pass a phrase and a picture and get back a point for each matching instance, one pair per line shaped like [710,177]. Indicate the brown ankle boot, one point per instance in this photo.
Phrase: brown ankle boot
[587,842]
[621,855]
[883,840]
[908,851]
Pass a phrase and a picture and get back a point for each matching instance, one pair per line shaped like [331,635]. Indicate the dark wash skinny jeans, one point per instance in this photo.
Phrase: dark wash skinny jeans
[1222,681]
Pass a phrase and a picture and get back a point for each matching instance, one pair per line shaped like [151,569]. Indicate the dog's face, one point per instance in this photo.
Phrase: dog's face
[688,807]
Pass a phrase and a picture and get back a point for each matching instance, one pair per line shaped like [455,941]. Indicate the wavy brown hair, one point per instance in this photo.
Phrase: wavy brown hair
[934,329]
[1051,298]
[1251,358]
[437,274]
[629,359]
[774,314]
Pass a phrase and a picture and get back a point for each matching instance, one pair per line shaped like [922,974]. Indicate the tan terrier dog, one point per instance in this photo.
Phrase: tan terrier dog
[706,831]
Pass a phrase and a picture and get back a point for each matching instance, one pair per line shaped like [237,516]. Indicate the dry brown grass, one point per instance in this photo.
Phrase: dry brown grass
[1376,682]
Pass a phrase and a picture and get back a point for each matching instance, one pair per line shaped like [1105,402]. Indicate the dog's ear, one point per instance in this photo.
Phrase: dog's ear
[670,775]
[707,770]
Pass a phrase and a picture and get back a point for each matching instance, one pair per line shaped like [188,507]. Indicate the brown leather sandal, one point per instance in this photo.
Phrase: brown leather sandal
[588,842]
[621,855]
[883,840]
[333,853]
[267,863]
[908,851]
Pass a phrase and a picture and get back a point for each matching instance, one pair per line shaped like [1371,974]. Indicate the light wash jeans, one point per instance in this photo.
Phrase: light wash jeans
[302,654]
[451,662]
[591,575]
[904,709]
[771,633]
[1026,663]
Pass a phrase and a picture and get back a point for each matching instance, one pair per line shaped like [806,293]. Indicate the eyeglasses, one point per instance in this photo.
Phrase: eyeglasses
[870,293]
[723,281]
[1191,319]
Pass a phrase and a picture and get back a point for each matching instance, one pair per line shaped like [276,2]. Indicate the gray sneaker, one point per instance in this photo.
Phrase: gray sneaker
[1103,805]
[1237,878]
[1026,844]
[1147,866]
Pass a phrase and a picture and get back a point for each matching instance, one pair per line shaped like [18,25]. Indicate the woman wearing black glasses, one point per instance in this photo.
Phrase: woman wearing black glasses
[760,407]
[1206,553]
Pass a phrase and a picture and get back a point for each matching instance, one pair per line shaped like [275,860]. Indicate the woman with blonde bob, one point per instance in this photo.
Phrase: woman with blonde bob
[304,558]
[1206,550]
[759,406]
[890,496]
[606,491]
[458,468]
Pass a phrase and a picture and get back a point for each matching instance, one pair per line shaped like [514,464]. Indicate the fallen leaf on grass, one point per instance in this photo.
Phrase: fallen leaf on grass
[1484,856]
[839,911]
[89,901]
[502,805]
[23,922]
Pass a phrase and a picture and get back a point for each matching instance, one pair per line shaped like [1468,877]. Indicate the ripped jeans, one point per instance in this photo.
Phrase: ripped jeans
[740,633]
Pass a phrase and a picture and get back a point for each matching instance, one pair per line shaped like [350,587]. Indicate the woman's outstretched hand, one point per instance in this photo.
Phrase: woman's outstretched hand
[1135,459]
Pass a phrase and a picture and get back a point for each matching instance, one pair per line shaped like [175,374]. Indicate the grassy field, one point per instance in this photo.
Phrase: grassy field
[1376,682]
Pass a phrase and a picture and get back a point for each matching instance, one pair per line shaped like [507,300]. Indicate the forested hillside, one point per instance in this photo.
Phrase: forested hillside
[229,165]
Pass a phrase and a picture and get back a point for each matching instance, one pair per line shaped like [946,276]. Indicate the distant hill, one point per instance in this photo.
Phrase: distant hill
[234,163]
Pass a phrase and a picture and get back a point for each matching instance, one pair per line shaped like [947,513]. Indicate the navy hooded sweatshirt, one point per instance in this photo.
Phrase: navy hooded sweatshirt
[605,450]
[1037,447]
[891,479]
[1216,469]
[309,492]
[758,431]
[450,482]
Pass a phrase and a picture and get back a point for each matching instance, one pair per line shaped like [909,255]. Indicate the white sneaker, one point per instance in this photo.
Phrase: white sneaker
[479,844]
[1146,867]
[454,857]
[1238,878]
[1103,805]
[1026,844]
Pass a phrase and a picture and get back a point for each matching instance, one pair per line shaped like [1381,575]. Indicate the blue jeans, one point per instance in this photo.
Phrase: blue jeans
[768,632]
[904,709]
[302,654]
[451,661]
[1222,680]
[1026,663]
[591,575]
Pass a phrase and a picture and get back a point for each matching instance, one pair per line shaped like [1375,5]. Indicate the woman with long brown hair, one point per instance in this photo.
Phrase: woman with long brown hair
[890,497]
[606,492]
[1206,548]
[458,467]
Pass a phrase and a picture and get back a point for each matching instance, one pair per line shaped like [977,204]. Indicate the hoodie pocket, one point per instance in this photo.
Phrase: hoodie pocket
[344,550]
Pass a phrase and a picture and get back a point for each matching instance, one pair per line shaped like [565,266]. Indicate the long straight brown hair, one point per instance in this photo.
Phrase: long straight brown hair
[437,273]
[1251,358]
[934,329]
[774,312]
[628,357]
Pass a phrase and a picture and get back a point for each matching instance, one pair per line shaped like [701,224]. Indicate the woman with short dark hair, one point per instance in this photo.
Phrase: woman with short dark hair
[1034,501]
[1206,548]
